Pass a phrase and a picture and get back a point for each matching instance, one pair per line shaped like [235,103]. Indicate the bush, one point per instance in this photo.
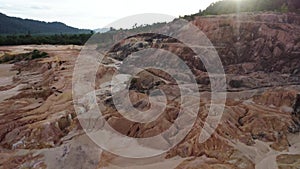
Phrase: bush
[37,54]
[235,83]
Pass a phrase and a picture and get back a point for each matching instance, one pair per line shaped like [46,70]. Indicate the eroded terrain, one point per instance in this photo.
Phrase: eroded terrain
[258,129]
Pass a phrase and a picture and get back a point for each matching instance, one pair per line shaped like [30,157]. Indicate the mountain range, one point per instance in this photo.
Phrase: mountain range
[14,25]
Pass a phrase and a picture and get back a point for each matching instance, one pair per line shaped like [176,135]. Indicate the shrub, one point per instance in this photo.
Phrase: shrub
[235,83]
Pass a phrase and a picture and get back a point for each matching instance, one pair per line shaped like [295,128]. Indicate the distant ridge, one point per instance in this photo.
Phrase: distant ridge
[101,30]
[14,25]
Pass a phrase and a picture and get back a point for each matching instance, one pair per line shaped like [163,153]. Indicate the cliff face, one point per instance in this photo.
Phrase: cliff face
[261,48]
[270,41]
[260,124]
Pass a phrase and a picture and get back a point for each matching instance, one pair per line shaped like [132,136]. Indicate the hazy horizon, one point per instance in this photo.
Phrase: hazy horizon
[92,14]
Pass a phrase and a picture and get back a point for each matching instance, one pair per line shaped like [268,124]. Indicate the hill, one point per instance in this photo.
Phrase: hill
[233,6]
[14,25]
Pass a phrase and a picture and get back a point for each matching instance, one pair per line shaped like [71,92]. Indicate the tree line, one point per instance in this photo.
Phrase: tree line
[57,39]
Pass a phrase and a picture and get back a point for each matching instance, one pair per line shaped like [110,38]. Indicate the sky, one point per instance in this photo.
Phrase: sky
[93,14]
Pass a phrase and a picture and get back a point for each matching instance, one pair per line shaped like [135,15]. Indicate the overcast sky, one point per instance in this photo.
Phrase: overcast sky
[94,14]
